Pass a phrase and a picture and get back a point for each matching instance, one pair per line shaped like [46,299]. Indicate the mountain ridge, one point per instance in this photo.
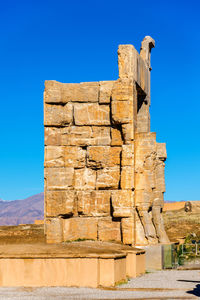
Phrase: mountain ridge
[24,211]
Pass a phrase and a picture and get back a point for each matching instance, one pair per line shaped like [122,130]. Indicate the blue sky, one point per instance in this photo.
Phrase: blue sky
[73,41]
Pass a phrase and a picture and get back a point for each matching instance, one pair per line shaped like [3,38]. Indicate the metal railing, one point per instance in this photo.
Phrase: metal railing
[193,249]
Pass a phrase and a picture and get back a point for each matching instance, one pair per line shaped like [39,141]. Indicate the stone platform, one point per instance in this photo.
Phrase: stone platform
[84,263]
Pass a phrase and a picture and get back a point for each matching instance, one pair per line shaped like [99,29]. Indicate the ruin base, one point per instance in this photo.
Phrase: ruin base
[81,264]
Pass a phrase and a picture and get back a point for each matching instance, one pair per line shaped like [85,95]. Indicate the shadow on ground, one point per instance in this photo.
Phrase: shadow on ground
[196,290]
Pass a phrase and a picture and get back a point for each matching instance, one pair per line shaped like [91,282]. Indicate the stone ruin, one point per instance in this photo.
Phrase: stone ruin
[104,170]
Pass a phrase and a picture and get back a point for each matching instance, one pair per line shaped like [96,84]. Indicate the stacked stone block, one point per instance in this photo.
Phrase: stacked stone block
[104,171]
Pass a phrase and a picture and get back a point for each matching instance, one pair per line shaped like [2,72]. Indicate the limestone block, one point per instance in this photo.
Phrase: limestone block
[128,132]
[143,75]
[94,203]
[74,157]
[127,178]
[56,92]
[122,203]
[59,203]
[58,115]
[103,156]
[79,228]
[109,230]
[150,178]
[149,161]
[161,151]
[144,180]
[108,178]
[122,90]
[54,156]
[85,136]
[105,91]
[53,93]
[91,114]
[128,230]
[121,112]
[54,231]
[128,155]
[59,178]
[52,136]
[86,92]
[142,199]
[160,177]
[84,179]
[127,61]
[116,137]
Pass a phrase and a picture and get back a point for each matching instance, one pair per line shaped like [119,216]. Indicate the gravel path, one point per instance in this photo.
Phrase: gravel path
[170,284]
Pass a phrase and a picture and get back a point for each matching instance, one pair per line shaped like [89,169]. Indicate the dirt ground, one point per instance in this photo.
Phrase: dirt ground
[168,284]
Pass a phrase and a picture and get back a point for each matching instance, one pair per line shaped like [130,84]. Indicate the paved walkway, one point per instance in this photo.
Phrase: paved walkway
[170,284]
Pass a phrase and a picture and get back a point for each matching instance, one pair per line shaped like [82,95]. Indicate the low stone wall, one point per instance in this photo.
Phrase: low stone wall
[91,264]
[80,272]
[174,206]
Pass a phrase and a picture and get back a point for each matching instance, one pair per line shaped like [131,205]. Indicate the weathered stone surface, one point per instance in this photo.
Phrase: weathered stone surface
[109,230]
[160,177]
[108,178]
[159,225]
[105,91]
[53,93]
[84,179]
[161,151]
[52,136]
[116,137]
[56,92]
[59,203]
[122,203]
[74,157]
[79,228]
[122,90]
[128,155]
[142,199]
[77,136]
[59,178]
[121,112]
[102,164]
[54,230]
[145,51]
[58,115]
[128,228]
[103,156]
[140,181]
[54,156]
[91,114]
[128,132]
[85,136]
[127,61]
[140,235]
[127,178]
[94,203]
[149,229]
[158,198]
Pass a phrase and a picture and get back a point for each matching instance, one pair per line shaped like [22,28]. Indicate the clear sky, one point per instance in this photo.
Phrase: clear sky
[74,41]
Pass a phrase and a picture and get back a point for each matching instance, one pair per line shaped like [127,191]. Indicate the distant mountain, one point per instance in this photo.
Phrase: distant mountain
[22,211]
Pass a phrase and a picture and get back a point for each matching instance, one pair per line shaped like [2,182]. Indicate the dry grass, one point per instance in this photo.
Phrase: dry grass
[180,223]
